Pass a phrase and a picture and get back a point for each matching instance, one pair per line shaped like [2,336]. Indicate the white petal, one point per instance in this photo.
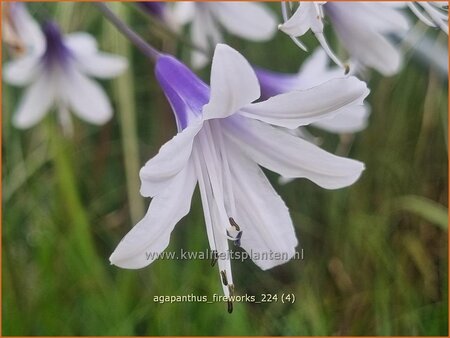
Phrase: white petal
[173,157]
[253,21]
[28,29]
[151,235]
[363,36]
[35,103]
[291,156]
[302,107]
[102,65]
[81,43]
[22,71]
[261,214]
[200,27]
[86,98]
[182,12]
[304,18]
[349,120]
[233,83]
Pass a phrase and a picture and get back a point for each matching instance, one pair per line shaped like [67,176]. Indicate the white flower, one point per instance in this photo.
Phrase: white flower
[432,13]
[223,138]
[315,71]
[58,77]
[362,28]
[248,20]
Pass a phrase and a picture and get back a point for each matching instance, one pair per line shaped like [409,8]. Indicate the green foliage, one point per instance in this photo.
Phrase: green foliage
[375,263]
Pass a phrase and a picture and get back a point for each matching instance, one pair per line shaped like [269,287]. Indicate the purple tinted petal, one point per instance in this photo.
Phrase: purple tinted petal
[187,94]
[273,83]
[56,51]
[153,7]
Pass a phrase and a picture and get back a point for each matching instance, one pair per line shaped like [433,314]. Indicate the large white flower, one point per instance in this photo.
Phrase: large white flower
[363,28]
[58,77]
[248,20]
[223,138]
[315,71]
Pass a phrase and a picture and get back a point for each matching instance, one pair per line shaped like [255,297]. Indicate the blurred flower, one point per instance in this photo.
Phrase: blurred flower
[315,71]
[20,31]
[432,13]
[153,7]
[248,20]
[362,27]
[222,139]
[58,76]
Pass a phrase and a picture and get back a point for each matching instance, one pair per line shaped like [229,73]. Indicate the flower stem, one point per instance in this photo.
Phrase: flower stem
[145,48]
[81,244]
[123,88]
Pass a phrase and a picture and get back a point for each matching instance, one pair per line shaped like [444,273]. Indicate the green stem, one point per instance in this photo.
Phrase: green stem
[123,88]
[80,240]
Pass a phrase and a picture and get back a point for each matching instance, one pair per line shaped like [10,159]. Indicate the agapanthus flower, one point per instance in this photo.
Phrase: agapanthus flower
[432,13]
[248,20]
[315,71]
[59,77]
[363,28]
[222,139]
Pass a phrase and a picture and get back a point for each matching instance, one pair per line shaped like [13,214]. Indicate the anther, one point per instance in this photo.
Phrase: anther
[215,257]
[230,306]
[224,277]
[346,69]
[234,224]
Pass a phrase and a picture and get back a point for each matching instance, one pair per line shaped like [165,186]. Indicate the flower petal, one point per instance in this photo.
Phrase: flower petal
[142,245]
[81,43]
[173,157]
[37,100]
[102,65]
[233,83]
[362,35]
[291,156]
[349,120]
[253,21]
[86,98]
[22,71]
[261,214]
[304,18]
[302,107]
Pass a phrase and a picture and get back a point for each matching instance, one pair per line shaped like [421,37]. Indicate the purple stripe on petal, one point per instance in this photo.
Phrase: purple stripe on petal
[187,94]
[56,52]
[273,83]
[153,7]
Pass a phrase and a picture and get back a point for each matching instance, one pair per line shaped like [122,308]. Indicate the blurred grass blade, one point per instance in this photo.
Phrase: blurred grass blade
[425,208]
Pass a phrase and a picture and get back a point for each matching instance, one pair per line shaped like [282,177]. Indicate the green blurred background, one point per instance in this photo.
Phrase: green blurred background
[375,254]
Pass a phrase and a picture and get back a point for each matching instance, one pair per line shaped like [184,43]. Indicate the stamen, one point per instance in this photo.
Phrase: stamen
[223,273]
[323,42]
[215,257]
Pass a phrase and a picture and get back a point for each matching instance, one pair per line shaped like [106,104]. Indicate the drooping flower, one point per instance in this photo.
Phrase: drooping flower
[315,71]
[432,13]
[222,139]
[248,20]
[59,77]
[363,28]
